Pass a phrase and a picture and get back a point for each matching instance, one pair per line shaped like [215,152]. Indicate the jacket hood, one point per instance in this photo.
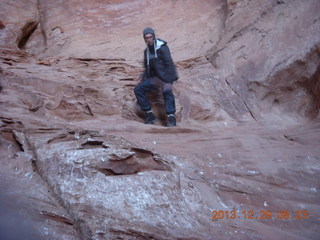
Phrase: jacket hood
[157,44]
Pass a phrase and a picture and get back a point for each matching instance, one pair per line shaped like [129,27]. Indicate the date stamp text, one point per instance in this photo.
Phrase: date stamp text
[250,214]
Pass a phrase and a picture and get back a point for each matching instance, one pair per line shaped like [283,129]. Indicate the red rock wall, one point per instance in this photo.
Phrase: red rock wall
[255,54]
[269,56]
[79,164]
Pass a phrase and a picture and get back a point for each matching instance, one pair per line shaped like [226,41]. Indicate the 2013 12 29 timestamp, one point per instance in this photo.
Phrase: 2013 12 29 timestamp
[251,214]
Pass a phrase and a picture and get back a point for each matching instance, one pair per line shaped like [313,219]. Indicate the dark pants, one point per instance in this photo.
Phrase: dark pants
[150,84]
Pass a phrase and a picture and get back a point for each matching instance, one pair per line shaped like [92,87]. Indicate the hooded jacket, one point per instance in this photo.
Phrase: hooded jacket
[158,62]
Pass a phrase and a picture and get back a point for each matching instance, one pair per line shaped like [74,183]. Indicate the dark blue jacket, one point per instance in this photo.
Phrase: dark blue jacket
[158,62]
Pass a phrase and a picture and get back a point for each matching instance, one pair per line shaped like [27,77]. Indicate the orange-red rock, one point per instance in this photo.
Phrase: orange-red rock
[77,163]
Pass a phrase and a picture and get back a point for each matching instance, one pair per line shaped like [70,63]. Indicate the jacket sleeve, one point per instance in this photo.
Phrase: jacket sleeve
[167,70]
[167,56]
[143,75]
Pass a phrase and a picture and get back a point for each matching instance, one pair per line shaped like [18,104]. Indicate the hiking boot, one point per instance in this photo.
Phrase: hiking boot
[171,120]
[150,119]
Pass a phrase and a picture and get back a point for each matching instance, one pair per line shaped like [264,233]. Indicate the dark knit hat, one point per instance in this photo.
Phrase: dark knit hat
[148,30]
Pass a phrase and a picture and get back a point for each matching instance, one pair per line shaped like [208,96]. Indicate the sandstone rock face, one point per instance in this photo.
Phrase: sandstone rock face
[271,57]
[243,162]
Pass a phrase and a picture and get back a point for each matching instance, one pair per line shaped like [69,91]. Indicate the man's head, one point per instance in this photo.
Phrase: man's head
[149,36]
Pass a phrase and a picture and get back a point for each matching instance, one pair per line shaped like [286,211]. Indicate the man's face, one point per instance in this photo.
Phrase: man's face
[148,38]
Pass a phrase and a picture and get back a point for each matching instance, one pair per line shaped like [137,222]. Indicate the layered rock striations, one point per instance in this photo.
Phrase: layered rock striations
[77,163]
[271,57]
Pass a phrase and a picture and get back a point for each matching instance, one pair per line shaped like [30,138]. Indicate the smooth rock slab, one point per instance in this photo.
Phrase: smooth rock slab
[143,198]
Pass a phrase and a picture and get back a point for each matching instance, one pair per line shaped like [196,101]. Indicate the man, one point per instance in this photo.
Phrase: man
[160,72]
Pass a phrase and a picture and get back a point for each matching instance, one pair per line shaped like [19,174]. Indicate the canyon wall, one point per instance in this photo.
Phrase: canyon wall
[264,61]
[77,163]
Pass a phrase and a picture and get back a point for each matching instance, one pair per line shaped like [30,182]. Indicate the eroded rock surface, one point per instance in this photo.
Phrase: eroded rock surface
[77,163]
